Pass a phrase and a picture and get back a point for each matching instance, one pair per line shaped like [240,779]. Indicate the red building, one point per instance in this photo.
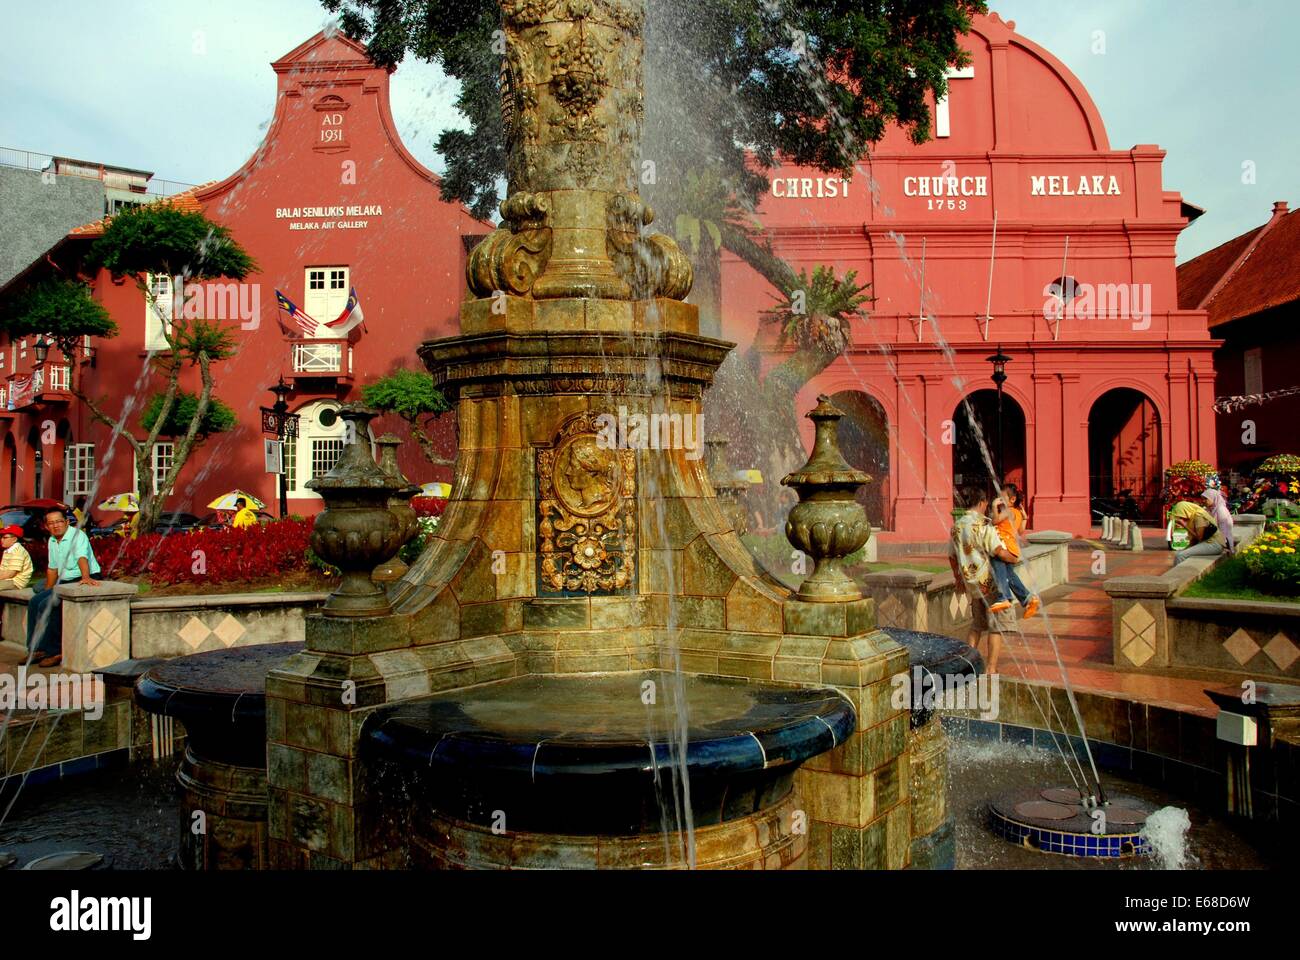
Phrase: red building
[1109,379]
[1250,289]
[329,202]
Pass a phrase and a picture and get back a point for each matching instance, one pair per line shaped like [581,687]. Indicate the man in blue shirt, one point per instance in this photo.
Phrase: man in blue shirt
[71,561]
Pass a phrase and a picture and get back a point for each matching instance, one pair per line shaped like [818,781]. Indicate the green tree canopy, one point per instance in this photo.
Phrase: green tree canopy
[412,395]
[218,418]
[60,308]
[162,238]
[407,393]
[730,83]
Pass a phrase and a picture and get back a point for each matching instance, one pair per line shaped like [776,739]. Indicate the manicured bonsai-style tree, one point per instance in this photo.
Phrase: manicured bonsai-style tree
[157,239]
[411,395]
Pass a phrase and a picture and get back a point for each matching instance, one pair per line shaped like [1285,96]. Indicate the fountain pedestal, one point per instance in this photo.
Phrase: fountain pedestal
[219,698]
[582,535]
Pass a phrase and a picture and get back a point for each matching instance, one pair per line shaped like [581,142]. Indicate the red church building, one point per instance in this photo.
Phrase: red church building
[1017,227]
[330,202]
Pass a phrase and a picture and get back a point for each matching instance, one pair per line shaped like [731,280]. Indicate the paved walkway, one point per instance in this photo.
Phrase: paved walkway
[1078,615]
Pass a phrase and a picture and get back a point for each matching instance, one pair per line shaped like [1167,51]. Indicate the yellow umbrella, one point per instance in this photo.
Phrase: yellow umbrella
[436,488]
[230,501]
[121,502]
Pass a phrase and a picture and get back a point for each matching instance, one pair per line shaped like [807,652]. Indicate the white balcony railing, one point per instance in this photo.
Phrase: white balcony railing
[320,357]
[60,377]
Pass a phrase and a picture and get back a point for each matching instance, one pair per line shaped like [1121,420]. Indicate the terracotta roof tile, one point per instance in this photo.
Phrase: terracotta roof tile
[186,200]
[1269,277]
[1197,277]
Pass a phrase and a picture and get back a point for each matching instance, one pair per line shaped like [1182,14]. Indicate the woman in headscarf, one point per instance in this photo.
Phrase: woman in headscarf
[1218,509]
[1204,539]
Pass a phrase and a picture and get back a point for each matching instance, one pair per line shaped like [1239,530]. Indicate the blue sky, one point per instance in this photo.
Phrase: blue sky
[184,89]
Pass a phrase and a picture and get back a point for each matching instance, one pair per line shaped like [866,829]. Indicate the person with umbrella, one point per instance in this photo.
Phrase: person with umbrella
[127,503]
[245,516]
[244,505]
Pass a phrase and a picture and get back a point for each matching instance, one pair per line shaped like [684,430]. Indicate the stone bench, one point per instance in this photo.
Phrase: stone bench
[96,622]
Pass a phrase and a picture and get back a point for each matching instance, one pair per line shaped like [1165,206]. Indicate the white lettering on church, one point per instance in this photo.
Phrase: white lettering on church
[1083,185]
[945,186]
[810,187]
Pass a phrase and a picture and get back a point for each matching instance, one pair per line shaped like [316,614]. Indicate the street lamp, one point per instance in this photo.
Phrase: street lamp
[278,420]
[999,361]
[42,350]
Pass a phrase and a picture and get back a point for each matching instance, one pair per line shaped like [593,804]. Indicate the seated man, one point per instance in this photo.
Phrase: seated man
[71,561]
[16,567]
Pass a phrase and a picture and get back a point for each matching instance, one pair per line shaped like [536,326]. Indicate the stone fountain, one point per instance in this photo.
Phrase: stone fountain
[587,668]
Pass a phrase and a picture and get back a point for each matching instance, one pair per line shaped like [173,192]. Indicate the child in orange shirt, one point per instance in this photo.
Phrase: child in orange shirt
[1009,519]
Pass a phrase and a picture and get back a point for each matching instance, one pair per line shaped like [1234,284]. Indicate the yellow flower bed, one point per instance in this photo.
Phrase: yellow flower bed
[1272,561]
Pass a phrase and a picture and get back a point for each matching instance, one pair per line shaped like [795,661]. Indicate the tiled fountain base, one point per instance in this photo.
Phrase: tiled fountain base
[1053,821]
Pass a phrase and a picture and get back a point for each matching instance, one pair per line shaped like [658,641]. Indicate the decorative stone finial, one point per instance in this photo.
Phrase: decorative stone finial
[357,530]
[827,523]
[400,505]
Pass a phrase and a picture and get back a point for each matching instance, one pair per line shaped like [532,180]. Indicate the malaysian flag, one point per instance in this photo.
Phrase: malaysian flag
[349,319]
[306,324]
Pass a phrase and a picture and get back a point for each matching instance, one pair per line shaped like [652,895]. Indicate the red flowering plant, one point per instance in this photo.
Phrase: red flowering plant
[209,556]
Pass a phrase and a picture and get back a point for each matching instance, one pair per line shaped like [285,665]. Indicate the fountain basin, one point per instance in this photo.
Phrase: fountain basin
[220,699]
[579,770]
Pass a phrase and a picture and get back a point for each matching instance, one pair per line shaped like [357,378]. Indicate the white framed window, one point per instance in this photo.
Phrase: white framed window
[326,292]
[163,455]
[78,470]
[1254,370]
[290,456]
[60,377]
[158,312]
[325,452]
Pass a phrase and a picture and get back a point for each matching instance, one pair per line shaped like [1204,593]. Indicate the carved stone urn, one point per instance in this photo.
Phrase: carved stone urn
[827,523]
[399,503]
[358,530]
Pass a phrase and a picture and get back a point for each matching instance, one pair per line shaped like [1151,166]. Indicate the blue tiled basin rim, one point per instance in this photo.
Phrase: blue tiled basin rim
[1068,843]
[585,724]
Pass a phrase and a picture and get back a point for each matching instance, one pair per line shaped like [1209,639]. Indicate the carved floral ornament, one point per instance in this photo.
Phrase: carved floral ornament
[586,513]
[627,14]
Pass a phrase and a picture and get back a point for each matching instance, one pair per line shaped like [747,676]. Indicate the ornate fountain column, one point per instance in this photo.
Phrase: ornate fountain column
[582,534]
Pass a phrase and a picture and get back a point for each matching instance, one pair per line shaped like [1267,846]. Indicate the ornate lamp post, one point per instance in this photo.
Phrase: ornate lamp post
[42,348]
[278,420]
[999,361]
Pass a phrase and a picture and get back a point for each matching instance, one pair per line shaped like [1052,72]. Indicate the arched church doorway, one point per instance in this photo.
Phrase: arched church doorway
[978,442]
[864,440]
[1124,454]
